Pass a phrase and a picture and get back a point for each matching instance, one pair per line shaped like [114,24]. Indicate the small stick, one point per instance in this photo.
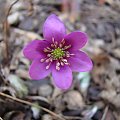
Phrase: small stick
[6,41]
[31,104]
[30,8]
[6,32]
[73,118]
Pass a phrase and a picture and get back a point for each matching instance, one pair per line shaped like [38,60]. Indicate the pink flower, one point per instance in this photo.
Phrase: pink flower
[58,53]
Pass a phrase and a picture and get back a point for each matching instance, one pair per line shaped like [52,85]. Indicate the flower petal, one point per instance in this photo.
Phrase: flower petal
[53,28]
[76,39]
[38,70]
[63,77]
[80,62]
[34,50]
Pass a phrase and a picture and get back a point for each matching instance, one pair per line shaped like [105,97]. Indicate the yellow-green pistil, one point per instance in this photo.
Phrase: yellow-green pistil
[57,53]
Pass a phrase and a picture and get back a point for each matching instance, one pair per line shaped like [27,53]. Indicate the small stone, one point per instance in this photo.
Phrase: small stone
[101,30]
[29,24]
[36,111]
[45,90]
[22,73]
[47,117]
[13,19]
[93,93]
[24,60]
[116,52]
[14,115]
[73,99]
[100,104]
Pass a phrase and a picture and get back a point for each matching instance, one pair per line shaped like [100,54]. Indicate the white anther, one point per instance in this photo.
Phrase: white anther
[60,45]
[62,63]
[63,42]
[48,48]
[67,63]
[68,55]
[66,47]
[57,64]
[52,45]
[72,54]
[42,60]
[48,55]
[45,50]
[51,59]
[64,60]
[47,67]
[53,40]
[57,68]
[56,42]
[48,60]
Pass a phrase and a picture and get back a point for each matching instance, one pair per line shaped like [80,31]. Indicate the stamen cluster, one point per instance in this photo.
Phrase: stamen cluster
[57,52]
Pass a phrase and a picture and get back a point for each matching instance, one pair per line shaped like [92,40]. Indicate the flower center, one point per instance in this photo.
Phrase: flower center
[58,53]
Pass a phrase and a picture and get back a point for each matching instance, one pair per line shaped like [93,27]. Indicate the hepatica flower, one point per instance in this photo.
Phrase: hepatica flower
[58,53]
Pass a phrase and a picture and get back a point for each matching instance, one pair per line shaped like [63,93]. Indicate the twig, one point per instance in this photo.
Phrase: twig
[31,8]
[11,8]
[31,104]
[105,112]
[6,42]
[38,98]
[73,118]
[6,32]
